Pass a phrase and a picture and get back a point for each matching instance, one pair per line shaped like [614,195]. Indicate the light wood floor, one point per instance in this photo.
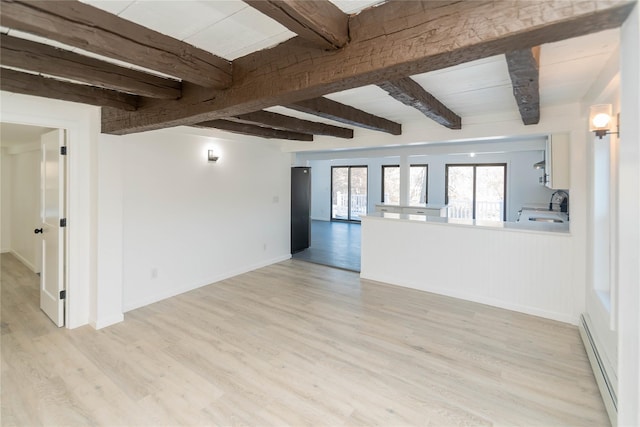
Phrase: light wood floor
[293,344]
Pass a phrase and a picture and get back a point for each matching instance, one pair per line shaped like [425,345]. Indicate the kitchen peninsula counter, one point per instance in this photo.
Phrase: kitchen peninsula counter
[530,226]
[526,267]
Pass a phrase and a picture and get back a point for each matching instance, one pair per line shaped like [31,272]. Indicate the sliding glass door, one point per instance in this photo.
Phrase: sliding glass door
[476,191]
[348,192]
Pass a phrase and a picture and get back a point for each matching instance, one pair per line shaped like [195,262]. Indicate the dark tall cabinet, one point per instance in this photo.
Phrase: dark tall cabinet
[300,208]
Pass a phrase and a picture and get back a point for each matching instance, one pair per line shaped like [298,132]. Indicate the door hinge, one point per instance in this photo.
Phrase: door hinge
[63,294]
[63,150]
[63,222]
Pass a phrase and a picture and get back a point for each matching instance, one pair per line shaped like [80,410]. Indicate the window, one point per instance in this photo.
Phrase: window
[603,221]
[348,192]
[476,191]
[391,184]
[418,181]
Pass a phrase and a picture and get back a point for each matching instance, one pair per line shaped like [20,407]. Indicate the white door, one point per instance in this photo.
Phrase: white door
[52,204]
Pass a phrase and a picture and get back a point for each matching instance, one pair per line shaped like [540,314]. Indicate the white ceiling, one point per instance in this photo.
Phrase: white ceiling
[14,134]
[227,28]
[231,28]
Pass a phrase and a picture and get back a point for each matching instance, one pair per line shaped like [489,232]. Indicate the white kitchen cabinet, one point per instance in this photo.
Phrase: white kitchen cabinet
[556,161]
[428,210]
[389,208]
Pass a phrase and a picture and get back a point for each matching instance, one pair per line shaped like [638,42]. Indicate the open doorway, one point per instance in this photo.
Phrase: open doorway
[33,204]
[349,192]
[336,242]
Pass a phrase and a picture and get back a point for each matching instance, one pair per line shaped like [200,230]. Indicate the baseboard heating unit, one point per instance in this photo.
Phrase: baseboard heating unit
[603,378]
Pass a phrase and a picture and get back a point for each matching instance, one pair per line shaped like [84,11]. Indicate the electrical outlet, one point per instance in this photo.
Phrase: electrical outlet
[154,273]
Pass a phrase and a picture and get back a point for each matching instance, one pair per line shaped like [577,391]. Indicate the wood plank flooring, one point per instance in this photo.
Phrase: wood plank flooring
[333,243]
[293,344]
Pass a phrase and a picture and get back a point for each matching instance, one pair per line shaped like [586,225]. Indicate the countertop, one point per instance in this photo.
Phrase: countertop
[535,227]
[423,205]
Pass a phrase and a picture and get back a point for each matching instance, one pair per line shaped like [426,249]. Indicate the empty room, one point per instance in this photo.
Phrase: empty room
[320,212]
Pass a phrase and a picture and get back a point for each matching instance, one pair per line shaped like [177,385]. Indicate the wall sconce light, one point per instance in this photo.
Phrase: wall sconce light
[600,120]
[212,158]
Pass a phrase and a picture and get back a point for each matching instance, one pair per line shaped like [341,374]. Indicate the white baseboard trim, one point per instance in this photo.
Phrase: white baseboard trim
[315,218]
[23,260]
[599,368]
[199,284]
[560,317]
[107,321]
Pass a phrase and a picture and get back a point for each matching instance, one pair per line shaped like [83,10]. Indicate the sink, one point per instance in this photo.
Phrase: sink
[540,219]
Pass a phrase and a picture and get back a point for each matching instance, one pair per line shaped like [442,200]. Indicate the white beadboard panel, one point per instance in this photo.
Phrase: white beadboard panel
[193,16]
[241,33]
[527,272]
[112,6]
[355,6]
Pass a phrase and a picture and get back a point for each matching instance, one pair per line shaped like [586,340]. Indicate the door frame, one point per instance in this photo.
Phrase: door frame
[348,193]
[81,123]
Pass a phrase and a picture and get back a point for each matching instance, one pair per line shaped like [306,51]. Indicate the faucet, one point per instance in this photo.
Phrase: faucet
[561,198]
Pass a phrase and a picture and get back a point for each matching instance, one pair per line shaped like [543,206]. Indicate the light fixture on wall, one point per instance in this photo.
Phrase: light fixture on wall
[600,120]
[212,158]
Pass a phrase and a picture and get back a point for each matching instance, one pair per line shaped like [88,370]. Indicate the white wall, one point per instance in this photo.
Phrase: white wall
[22,184]
[5,200]
[106,302]
[189,223]
[601,182]
[629,225]
[522,180]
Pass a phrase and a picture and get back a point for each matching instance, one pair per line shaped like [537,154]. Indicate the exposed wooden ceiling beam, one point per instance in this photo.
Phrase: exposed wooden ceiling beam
[329,109]
[253,130]
[318,21]
[523,70]
[410,93]
[31,84]
[282,122]
[393,40]
[41,58]
[89,28]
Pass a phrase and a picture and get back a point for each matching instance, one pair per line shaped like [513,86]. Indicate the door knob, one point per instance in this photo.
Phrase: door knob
[37,230]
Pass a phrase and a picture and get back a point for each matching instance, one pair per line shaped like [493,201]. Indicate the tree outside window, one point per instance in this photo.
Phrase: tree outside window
[418,175]
[476,191]
[391,184]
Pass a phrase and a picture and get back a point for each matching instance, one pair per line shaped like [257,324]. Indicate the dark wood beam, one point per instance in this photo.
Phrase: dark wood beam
[41,58]
[410,93]
[523,70]
[31,84]
[282,122]
[89,28]
[253,130]
[329,109]
[318,21]
[394,40]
